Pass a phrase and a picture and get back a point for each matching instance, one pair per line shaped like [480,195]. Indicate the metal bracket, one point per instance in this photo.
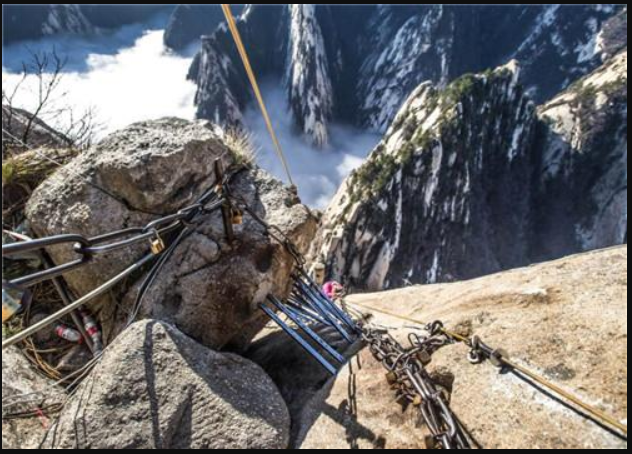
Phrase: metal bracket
[306,311]
[227,210]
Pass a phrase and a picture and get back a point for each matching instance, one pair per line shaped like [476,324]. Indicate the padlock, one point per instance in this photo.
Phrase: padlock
[424,357]
[417,401]
[391,378]
[237,216]
[318,273]
[431,442]
[157,245]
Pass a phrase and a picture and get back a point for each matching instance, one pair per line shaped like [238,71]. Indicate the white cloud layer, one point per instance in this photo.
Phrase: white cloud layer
[317,173]
[125,76]
[129,76]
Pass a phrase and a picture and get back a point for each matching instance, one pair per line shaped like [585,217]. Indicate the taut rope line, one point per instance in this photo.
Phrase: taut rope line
[501,358]
[232,26]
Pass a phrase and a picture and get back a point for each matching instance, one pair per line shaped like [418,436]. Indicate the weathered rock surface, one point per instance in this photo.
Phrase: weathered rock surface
[583,175]
[156,388]
[473,179]
[444,195]
[298,376]
[565,319]
[20,378]
[209,289]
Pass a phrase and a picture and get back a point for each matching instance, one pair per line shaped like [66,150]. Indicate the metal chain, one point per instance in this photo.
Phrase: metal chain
[85,249]
[408,376]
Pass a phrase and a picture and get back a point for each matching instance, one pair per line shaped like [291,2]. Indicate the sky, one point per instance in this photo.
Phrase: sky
[128,75]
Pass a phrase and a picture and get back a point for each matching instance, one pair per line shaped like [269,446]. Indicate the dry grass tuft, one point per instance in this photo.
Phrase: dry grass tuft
[241,143]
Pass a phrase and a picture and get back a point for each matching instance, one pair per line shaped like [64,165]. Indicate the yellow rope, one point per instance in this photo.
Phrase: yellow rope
[593,411]
[255,87]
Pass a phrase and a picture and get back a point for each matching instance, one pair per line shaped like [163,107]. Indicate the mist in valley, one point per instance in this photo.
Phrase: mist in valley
[128,75]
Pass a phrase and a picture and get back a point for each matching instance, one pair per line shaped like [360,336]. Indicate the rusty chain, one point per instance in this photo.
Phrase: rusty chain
[408,376]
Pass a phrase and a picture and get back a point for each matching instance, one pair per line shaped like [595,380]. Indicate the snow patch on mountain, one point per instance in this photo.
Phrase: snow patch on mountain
[589,49]
[544,21]
[385,78]
[66,19]
[310,92]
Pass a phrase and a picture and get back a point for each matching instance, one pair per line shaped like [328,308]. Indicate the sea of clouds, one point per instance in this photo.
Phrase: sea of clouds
[128,75]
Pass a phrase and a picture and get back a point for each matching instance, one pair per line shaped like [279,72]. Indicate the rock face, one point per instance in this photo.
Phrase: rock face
[566,320]
[18,378]
[358,64]
[31,22]
[308,76]
[22,22]
[22,126]
[473,179]
[188,23]
[156,388]
[585,152]
[209,289]
[298,376]
[449,172]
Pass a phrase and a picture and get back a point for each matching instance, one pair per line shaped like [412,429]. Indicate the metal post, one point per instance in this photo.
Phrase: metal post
[306,313]
[226,207]
[317,291]
[310,332]
[28,332]
[62,289]
[302,342]
[323,311]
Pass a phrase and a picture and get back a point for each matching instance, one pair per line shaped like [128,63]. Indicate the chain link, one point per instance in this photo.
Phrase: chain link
[413,384]
[86,248]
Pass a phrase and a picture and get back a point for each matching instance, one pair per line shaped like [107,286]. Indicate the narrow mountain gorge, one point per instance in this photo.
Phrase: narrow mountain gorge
[337,68]
[474,179]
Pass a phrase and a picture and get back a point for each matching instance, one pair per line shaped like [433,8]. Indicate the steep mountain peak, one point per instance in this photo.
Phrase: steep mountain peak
[358,65]
[428,175]
[472,179]
[66,19]
[308,82]
[429,112]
